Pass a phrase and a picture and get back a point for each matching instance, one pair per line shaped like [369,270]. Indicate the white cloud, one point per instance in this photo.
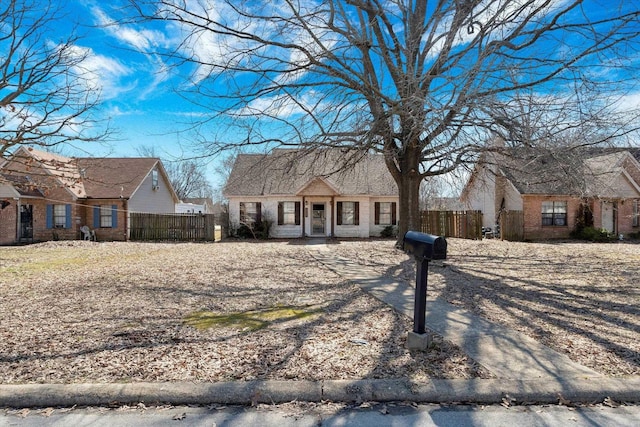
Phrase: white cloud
[101,73]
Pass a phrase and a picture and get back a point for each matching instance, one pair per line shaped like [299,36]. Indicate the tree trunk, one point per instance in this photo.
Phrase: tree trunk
[409,206]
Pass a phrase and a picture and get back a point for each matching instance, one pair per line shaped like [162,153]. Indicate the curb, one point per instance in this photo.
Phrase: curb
[480,391]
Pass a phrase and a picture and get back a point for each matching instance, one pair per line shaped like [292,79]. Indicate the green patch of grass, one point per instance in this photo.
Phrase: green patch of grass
[252,320]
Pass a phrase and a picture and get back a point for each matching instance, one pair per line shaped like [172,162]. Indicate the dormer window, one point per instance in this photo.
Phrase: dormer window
[154,179]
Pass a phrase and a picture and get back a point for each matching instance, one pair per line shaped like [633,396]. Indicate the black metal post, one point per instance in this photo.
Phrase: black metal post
[420,305]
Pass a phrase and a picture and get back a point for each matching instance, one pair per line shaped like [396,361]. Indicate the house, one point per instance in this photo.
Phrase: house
[312,193]
[558,191]
[47,196]
[202,205]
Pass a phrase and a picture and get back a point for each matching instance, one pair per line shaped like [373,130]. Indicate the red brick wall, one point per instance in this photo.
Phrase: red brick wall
[533,228]
[8,223]
[625,217]
[108,233]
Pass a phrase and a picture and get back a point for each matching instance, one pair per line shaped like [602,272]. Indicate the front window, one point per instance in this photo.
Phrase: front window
[59,216]
[106,219]
[348,213]
[385,213]
[554,213]
[249,212]
[288,213]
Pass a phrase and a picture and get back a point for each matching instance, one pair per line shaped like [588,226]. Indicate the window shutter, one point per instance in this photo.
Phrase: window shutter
[376,209]
[393,213]
[67,219]
[297,213]
[96,217]
[114,216]
[356,209]
[258,212]
[49,216]
[339,213]
[280,213]
[243,213]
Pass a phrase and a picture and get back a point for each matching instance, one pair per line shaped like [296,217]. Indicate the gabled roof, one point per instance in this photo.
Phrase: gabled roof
[114,177]
[289,172]
[88,177]
[563,172]
[21,184]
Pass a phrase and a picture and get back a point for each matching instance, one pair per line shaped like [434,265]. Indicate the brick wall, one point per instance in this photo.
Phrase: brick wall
[533,228]
[8,224]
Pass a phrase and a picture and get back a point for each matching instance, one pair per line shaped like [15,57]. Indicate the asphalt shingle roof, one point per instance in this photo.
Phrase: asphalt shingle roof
[287,172]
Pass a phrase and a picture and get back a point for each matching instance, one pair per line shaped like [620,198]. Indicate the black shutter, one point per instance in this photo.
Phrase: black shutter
[243,213]
[280,213]
[356,208]
[297,213]
[376,218]
[339,214]
[393,213]
[258,212]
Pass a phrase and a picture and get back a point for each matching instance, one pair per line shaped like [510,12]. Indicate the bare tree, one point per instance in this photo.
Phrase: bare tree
[45,98]
[187,176]
[423,82]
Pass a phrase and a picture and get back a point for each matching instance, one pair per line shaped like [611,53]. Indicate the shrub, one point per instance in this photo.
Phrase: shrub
[592,234]
[256,231]
[388,231]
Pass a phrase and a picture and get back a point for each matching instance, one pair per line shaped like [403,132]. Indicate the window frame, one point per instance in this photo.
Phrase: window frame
[59,216]
[346,208]
[289,212]
[106,216]
[155,180]
[379,213]
[555,214]
[636,213]
[255,216]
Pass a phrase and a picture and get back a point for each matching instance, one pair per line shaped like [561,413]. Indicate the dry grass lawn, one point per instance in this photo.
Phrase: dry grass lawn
[119,312]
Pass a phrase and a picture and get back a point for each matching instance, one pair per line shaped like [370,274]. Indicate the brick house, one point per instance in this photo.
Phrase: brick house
[47,196]
[312,193]
[558,191]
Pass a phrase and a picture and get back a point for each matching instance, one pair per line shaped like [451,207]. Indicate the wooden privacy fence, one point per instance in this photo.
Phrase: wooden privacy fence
[175,227]
[462,224]
[512,225]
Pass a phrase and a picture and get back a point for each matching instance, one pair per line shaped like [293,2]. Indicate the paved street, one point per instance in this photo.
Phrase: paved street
[325,415]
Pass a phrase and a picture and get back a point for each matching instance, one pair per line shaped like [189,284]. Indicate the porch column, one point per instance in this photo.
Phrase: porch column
[304,214]
[333,218]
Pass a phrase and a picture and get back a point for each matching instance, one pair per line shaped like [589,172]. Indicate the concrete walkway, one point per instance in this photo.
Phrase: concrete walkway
[506,353]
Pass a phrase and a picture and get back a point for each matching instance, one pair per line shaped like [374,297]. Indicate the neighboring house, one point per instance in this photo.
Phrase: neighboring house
[312,194]
[557,192]
[203,205]
[48,196]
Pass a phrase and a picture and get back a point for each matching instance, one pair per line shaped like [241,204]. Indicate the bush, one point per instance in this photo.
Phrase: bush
[256,231]
[592,234]
[388,231]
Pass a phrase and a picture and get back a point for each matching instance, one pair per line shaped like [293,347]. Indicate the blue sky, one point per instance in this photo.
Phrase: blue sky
[138,89]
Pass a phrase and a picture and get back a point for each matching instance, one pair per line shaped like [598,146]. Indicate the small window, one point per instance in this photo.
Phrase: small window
[348,213]
[106,216]
[59,216]
[554,213]
[250,212]
[385,213]
[636,213]
[154,179]
[288,213]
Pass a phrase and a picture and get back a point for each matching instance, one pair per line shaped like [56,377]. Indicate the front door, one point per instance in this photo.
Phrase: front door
[318,219]
[26,222]
[608,216]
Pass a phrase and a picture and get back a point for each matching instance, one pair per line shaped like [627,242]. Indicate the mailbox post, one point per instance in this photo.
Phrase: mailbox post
[424,248]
